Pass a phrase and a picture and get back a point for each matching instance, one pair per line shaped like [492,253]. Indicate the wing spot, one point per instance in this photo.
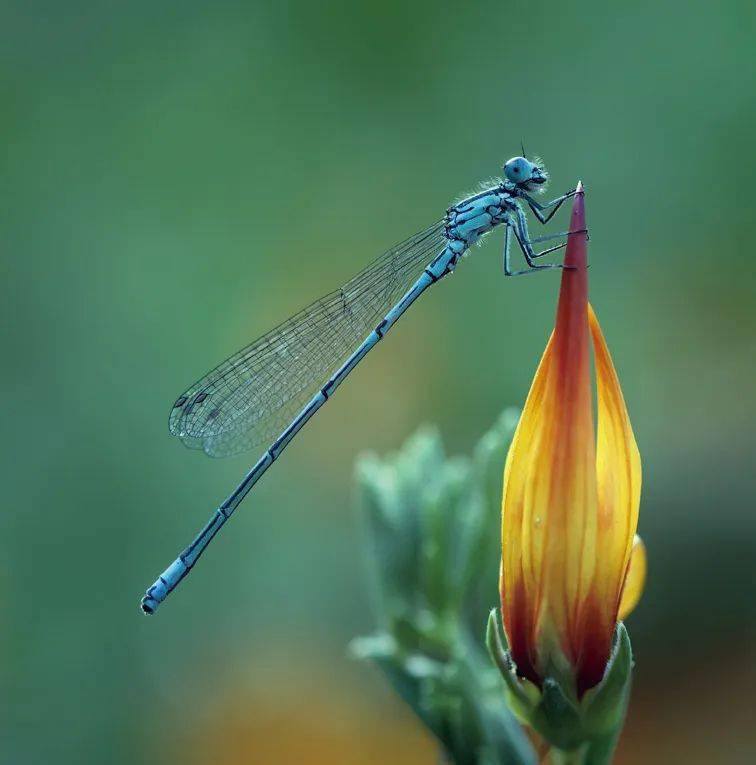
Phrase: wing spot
[199,398]
[179,402]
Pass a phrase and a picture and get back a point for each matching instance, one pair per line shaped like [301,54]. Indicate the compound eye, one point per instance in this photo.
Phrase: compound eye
[518,170]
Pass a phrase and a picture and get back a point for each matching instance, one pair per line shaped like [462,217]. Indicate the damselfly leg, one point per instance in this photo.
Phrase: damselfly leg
[533,267]
[538,207]
[554,236]
[520,228]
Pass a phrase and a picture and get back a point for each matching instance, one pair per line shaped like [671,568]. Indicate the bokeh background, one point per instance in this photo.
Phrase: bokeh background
[175,179]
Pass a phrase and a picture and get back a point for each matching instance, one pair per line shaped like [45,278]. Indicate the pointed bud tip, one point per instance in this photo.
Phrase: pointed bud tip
[576,254]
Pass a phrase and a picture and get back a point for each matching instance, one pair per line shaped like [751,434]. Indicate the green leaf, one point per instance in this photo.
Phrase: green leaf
[432,530]
[444,546]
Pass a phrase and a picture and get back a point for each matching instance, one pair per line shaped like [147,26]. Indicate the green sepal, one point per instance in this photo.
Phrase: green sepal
[605,704]
[586,731]
[522,696]
[557,718]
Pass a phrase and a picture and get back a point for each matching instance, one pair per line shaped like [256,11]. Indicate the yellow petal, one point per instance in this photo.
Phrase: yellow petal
[618,475]
[635,579]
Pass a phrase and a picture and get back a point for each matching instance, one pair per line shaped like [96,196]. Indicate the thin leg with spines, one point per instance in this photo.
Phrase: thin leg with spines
[523,239]
[528,257]
[538,207]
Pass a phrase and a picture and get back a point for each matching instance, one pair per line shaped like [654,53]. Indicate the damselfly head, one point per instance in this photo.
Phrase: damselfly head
[524,173]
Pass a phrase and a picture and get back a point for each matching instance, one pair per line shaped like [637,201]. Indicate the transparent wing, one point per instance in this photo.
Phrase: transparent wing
[252,396]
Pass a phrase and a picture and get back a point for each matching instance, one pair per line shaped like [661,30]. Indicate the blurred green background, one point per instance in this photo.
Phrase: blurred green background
[177,179]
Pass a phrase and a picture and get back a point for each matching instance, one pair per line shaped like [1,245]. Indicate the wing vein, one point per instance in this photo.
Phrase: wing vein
[251,395]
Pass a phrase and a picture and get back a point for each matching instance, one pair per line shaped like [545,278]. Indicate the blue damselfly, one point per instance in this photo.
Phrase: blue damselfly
[277,383]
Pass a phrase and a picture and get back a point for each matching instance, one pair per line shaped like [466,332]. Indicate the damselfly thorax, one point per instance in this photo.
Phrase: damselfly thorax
[475,216]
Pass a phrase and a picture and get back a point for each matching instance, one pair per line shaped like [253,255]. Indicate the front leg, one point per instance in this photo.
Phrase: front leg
[551,237]
[521,234]
[538,208]
[507,269]
[523,238]
[520,228]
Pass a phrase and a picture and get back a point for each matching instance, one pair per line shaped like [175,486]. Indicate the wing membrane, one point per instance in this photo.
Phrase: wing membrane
[252,395]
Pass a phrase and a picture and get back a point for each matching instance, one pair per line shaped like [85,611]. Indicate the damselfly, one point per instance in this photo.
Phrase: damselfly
[283,377]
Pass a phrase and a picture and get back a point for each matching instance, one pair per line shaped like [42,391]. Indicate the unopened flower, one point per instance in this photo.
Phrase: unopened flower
[572,565]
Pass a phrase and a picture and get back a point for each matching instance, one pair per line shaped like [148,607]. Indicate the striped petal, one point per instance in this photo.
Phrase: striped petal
[571,497]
